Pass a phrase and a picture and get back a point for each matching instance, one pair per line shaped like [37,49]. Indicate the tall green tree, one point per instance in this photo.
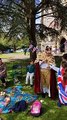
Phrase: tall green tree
[18,17]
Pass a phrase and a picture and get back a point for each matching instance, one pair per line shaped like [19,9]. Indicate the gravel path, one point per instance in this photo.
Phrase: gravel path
[15,57]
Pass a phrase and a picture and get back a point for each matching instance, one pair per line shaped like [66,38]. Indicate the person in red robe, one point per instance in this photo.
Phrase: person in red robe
[40,80]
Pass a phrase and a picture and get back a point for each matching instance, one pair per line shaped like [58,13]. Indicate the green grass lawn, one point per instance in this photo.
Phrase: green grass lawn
[50,108]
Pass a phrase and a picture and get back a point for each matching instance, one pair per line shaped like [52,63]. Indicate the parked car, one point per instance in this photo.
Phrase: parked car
[9,51]
[20,50]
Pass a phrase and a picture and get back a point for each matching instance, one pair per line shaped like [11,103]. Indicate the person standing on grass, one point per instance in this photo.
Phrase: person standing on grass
[62,82]
[2,72]
[30,73]
[47,75]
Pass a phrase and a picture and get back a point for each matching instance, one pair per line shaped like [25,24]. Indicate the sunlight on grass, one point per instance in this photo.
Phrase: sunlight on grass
[50,109]
[12,55]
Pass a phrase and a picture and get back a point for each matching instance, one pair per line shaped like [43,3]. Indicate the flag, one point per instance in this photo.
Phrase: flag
[34,49]
[30,47]
[61,89]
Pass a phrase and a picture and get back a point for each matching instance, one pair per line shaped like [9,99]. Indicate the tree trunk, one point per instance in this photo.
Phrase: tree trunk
[14,47]
[32,36]
[31,30]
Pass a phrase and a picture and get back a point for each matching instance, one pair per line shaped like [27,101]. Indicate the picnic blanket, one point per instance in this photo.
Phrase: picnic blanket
[16,95]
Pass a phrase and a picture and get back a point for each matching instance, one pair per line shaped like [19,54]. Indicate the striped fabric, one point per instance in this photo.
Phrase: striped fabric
[61,88]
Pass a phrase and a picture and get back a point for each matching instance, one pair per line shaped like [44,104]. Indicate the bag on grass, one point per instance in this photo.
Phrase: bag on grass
[36,108]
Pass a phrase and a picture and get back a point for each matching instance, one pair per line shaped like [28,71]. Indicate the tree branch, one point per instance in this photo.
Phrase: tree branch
[45,14]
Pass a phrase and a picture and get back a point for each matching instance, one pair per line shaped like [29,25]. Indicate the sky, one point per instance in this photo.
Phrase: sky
[38,20]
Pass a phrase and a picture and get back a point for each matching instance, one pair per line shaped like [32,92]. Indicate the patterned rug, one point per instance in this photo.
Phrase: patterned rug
[16,94]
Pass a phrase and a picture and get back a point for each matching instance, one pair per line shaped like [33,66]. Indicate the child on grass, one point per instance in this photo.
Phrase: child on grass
[30,73]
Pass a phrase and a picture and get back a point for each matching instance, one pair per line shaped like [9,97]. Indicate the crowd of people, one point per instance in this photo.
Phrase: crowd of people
[45,76]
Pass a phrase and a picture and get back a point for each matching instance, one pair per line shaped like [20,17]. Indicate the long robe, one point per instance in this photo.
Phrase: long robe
[53,82]
[37,78]
[53,85]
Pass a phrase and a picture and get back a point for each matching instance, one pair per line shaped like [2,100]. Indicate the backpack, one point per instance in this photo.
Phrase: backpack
[36,108]
[20,106]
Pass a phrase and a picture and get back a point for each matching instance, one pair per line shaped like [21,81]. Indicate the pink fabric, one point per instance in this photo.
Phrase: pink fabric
[36,107]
